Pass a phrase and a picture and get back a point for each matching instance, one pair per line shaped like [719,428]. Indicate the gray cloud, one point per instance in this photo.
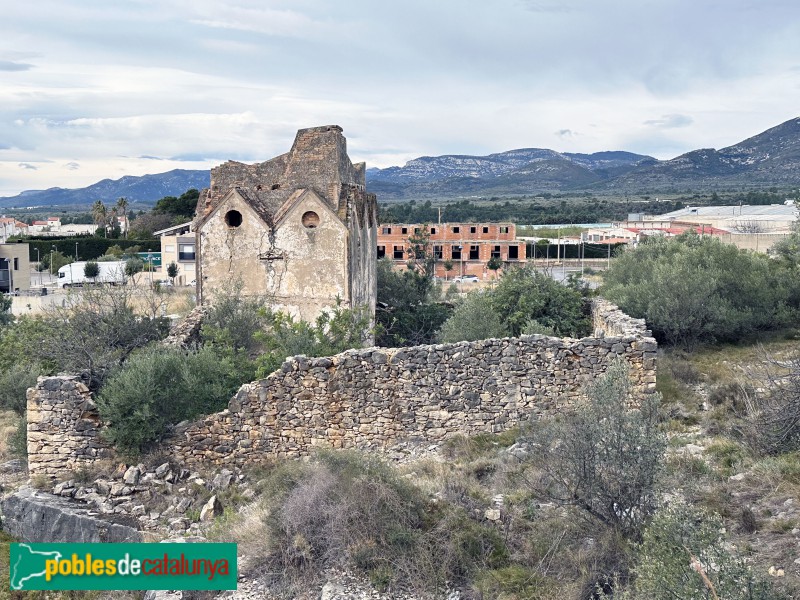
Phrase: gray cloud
[118,86]
[73,166]
[28,166]
[670,121]
[7,65]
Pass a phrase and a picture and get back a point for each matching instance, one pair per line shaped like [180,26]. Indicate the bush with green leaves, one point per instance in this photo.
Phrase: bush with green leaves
[334,331]
[473,319]
[91,270]
[6,316]
[604,458]
[234,319]
[693,289]
[158,387]
[14,384]
[524,294]
[525,301]
[133,266]
[684,555]
[409,312]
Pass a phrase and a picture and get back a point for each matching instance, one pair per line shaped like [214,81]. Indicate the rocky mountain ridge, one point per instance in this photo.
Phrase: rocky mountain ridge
[769,158]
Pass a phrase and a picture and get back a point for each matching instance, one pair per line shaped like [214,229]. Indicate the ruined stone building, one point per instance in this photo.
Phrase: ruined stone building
[300,229]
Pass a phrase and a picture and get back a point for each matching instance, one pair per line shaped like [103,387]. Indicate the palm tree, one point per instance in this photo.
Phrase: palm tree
[100,216]
[122,207]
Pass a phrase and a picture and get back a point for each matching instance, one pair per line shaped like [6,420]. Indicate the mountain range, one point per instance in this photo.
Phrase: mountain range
[769,158]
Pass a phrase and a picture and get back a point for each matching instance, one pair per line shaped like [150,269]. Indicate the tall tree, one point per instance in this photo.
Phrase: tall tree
[122,208]
[100,216]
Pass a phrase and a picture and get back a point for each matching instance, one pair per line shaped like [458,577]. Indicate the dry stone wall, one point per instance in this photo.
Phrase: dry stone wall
[370,398]
[375,397]
[63,427]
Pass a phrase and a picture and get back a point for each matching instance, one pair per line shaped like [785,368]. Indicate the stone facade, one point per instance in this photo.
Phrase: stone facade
[63,427]
[370,398]
[300,229]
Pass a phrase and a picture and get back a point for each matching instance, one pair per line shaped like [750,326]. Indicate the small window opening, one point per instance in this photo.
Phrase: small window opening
[485,230]
[398,253]
[473,229]
[456,252]
[276,186]
[381,251]
[496,252]
[433,230]
[310,220]
[456,229]
[233,218]
[513,252]
[404,230]
[474,252]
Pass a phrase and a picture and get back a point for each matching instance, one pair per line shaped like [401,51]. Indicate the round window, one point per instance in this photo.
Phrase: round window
[310,220]
[233,218]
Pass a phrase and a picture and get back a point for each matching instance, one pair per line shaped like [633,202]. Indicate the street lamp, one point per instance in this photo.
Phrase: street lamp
[76,251]
[52,249]
[461,261]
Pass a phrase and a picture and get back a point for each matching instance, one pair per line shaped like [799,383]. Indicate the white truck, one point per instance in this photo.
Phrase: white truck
[73,274]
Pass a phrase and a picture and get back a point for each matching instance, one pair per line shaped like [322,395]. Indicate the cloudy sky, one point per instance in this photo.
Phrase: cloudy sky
[91,89]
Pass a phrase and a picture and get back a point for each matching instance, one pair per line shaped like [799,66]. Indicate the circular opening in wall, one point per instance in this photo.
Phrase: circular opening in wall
[310,220]
[233,218]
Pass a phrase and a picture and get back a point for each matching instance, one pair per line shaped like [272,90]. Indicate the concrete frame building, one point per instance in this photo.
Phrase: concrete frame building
[468,245]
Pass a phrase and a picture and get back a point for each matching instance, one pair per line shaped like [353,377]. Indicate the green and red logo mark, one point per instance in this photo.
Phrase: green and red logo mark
[123,567]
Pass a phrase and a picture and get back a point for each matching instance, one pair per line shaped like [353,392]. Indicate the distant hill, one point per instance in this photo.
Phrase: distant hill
[523,171]
[769,158]
[146,189]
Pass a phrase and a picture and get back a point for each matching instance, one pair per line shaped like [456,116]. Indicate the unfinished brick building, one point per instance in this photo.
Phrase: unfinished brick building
[300,229]
[469,246]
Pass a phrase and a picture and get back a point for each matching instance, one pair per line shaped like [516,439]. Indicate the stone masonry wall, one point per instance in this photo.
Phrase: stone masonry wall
[375,397]
[63,426]
[370,398]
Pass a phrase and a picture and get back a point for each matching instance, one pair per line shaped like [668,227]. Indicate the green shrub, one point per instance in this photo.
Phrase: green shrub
[524,294]
[473,319]
[158,387]
[683,555]
[694,289]
[14,384]
[409,312]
